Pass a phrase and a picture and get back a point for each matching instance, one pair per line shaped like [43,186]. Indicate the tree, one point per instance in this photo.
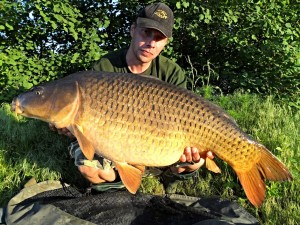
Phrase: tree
[43,40]
[250,45]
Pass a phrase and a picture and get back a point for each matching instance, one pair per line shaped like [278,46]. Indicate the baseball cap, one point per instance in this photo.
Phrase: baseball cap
[157,16]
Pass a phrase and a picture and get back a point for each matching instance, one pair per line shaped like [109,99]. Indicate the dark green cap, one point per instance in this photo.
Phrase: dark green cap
[157,16]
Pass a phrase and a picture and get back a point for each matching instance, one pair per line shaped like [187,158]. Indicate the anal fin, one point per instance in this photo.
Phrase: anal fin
[212,166]
[253,185]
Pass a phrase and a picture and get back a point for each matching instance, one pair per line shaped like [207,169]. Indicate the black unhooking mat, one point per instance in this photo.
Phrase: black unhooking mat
[121,207]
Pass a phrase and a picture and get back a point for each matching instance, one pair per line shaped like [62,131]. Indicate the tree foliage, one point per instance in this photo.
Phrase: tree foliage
[250,45]
[42,40]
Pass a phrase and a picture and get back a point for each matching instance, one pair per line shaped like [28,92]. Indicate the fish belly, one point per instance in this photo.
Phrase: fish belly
[135,143]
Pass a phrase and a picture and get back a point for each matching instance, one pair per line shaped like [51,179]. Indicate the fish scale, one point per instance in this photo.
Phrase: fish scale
[148,124]
[137,121]
[153,123]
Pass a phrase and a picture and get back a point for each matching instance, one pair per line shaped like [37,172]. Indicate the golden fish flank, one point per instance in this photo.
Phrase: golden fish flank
[138,121]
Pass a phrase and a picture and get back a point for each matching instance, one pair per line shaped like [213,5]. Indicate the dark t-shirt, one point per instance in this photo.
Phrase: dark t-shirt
[161,67]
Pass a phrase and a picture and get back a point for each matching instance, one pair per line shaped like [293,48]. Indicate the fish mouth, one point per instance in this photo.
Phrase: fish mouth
[16,107]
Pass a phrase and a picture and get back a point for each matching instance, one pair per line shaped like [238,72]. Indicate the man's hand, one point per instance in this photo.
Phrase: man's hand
[96,175]
[63,131]
[191,154]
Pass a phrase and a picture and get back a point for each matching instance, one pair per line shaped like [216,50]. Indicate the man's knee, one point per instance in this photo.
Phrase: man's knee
[87,171]
[96,175]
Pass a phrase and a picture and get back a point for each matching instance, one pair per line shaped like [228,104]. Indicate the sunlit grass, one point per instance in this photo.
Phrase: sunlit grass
[277,127]
[29,149]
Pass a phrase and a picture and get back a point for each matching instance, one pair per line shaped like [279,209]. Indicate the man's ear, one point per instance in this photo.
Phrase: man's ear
[132,28]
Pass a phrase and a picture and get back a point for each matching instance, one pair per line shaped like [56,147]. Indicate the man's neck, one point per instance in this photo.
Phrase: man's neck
[139,68]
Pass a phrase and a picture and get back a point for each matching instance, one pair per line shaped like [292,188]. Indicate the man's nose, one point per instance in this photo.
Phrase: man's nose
[151,41]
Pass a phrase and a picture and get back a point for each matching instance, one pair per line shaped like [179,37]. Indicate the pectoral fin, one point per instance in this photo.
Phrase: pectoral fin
[131,176]
[86,146]
[212,166]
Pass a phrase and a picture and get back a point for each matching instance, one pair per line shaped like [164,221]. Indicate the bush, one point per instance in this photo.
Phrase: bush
[249,45]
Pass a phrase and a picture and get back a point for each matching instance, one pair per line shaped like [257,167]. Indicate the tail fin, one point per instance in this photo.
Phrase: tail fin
[267,168]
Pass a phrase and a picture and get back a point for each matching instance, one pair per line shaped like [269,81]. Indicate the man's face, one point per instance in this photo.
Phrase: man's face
[147,43]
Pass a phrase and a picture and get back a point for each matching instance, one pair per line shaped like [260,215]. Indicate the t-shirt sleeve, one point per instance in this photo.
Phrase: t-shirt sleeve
[103,64]
[178,77]
[172,72]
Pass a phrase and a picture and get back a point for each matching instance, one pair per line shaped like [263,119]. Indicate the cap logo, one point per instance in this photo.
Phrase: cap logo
[161,14]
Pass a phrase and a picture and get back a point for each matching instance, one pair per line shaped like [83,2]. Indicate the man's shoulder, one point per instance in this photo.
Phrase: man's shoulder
[170,71]
[167,64]
[165,59]
[114,61]
[116,54]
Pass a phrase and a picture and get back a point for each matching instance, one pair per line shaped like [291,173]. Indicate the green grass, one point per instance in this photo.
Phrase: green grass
[277,127]
[29,149]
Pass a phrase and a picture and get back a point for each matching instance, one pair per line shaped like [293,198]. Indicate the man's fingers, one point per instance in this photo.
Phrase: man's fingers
[195,155]
[188,154]
[63,131]
[210,155]
[191,155]
[201,162]
[52,127]
[182,158]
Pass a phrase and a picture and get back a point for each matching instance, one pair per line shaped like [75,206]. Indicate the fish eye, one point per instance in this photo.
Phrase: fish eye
[37,90]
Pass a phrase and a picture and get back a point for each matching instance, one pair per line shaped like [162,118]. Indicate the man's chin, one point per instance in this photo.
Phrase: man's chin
[145,59]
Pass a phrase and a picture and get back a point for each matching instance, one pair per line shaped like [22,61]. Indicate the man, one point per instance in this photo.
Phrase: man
[150,34]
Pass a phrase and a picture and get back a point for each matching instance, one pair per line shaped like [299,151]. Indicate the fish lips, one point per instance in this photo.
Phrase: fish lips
[16,107]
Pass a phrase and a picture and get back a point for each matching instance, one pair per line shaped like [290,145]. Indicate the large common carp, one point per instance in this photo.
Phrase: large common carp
[138,121]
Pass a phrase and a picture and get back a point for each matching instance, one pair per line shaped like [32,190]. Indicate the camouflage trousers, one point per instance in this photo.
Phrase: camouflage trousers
[169,179]
[80,160]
